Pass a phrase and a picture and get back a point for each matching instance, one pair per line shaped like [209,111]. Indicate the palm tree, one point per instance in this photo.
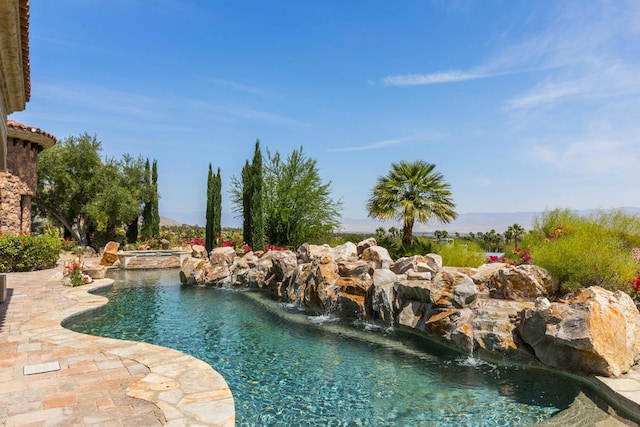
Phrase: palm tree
[412,191]
[516,231]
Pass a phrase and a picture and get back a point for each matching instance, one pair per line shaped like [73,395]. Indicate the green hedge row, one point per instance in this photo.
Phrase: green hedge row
[28,253]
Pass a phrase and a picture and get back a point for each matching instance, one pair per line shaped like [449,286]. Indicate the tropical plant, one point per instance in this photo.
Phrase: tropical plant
[411,192]
[515,232]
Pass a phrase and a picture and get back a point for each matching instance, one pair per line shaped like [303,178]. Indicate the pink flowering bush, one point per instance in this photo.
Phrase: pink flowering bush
[518,257]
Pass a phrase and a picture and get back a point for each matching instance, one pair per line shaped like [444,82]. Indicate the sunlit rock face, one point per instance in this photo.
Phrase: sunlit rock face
[496,310]
[595,331]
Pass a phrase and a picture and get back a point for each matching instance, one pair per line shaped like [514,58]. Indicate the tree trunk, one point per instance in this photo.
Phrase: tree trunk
[407,231]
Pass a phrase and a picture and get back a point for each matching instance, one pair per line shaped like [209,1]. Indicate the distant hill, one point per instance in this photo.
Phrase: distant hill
[168,222]
[466,222]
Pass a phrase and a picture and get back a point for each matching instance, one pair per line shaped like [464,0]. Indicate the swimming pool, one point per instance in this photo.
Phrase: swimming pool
[285,367]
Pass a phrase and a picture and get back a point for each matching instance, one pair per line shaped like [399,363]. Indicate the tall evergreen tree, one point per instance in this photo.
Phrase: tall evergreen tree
[217,204]
[155,216]
[256,203]
[147,210]
[246,203]
[209,235]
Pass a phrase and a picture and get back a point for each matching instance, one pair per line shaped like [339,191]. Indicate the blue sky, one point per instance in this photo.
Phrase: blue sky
[522,105]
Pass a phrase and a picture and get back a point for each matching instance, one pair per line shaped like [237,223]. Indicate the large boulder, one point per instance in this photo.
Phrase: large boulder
[223,255]
[413,290]
[494,329]
[218,275]
[293,285]
[521,283]
[345,252]
[377,256]
[366,243]
[110,254]
[309,253]
[434,262]
[381,297]
[596,331]
[191,271]
[354,268]
[453,290]
[198,251]
[283,262]
[320,284]
[416,265]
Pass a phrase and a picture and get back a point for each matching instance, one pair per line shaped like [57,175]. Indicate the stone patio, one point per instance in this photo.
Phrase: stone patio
[100,381]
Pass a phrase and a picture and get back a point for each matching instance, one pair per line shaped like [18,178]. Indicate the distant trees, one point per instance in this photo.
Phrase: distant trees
[80,192]
[213,225]
[297,204]
[515,232]
[411,192]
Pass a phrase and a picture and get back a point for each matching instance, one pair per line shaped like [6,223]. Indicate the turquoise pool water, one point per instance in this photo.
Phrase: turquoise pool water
[298,369]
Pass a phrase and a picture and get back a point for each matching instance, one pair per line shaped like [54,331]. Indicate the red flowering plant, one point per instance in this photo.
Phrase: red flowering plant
[518,257]
[73,272]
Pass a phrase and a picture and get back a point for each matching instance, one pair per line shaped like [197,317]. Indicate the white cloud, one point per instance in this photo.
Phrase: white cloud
[592,156]
[435,78]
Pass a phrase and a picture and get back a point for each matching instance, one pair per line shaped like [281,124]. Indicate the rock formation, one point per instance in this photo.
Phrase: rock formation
[496,311]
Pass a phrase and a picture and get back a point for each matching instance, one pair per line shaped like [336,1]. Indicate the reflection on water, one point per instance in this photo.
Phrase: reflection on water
[293,369]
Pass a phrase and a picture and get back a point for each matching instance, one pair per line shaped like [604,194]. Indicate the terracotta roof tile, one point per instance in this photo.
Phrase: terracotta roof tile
[26,62]
[19,126]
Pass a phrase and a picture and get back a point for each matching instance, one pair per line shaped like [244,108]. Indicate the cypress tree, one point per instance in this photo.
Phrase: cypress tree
[256,202]
[217,204]
[209,229]
[147,231]
[155,227]
[246,203]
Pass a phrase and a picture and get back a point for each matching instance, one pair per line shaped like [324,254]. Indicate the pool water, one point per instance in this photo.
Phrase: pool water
[285,367]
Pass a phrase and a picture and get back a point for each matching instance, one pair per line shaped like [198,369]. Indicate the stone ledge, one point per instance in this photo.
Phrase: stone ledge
[186,389]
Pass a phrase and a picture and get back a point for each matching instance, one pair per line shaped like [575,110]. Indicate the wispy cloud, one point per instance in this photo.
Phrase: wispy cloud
[436,78]
[378,144]
[592,155]
[239,87]
[585,50]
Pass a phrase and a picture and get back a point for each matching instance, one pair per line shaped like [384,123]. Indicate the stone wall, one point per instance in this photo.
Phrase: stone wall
[15,204]
[18,186]
[22,158]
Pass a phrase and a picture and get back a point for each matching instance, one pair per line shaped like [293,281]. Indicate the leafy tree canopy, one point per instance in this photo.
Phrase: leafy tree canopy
[79,191]
[411,192]
[297,204]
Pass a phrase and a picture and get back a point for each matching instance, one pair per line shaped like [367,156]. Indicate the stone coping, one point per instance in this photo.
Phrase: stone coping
[186,389]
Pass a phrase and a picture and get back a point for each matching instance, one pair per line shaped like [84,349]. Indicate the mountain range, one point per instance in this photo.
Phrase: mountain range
[465,223]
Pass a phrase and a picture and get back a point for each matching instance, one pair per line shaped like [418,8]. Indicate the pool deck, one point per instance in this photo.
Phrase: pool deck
[95,381]
[109,382]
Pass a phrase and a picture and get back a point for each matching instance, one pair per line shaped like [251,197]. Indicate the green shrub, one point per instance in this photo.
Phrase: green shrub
[28,253]
[585,251]
[462,254]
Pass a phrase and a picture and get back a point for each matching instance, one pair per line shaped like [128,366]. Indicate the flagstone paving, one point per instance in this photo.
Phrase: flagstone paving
[100,381]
